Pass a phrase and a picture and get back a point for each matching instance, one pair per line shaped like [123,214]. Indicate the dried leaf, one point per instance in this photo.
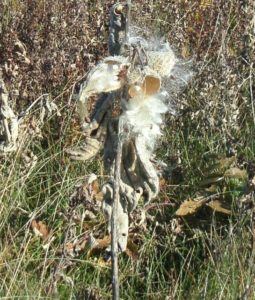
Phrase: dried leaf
[75,247]
[190,207]
[219,166]
[212,180]
[40,229]
[95,186]
[236,173]
[99,196]
[132,249]
[103,243]
[104,263]
[69,249]
[87,193]
[96,246]
[216,205]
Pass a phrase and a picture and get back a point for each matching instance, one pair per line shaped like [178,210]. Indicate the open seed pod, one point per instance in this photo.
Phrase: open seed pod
[135,90]
[151,85]
[161,61]
[146,82]
[135,76]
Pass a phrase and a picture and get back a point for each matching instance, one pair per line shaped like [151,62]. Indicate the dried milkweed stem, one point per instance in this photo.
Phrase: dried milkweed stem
[116,193]
[114,227]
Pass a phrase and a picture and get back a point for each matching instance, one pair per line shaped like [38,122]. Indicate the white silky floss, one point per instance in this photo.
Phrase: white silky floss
[143,116]
[105,77]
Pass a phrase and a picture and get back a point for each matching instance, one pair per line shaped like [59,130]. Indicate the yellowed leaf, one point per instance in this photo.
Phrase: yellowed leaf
[185,51]
[219,166]
[190,207]
[211,180]
[216,205]
[104,263]
[226,162]
[236,173]
[99,196]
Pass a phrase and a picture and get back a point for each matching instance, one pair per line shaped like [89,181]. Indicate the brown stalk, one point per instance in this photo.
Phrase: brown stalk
[116,192]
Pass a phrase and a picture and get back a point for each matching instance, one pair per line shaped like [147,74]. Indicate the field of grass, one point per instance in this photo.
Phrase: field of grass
[209,149]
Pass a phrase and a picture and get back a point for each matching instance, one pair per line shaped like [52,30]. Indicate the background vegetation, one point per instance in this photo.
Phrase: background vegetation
[206,253]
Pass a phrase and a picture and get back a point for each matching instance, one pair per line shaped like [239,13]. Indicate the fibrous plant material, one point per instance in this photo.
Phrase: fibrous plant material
[9,129]
[131,79]
[14,127]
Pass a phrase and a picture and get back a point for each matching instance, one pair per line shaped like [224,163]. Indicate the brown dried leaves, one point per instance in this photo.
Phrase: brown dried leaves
[192,207]
[40,229]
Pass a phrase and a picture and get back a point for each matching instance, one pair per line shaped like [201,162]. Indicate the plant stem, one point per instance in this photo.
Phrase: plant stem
[127,21]
[116,192]
[114,224]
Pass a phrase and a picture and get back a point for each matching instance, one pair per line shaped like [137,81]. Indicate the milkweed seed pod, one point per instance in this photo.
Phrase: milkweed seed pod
[135,76]
[151,83]
[146,81]
[107,76]
[161,61]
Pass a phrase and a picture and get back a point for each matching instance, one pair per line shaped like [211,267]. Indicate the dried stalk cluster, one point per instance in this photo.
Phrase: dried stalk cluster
[9,129]
[14,130]
[132,76]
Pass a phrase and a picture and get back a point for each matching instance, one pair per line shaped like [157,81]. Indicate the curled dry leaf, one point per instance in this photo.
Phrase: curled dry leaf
[87,193]
[216,205]
[77,246]
[40,229]
[132,249]
[99,244]
[190,207]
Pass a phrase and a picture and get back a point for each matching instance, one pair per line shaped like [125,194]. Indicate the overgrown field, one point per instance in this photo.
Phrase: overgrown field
[203,248]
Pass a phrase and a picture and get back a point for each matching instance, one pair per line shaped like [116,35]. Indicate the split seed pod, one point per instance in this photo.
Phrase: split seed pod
[151,85]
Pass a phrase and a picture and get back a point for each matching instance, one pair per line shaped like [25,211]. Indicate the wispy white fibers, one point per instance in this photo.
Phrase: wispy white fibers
[143,117]
[106,76]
